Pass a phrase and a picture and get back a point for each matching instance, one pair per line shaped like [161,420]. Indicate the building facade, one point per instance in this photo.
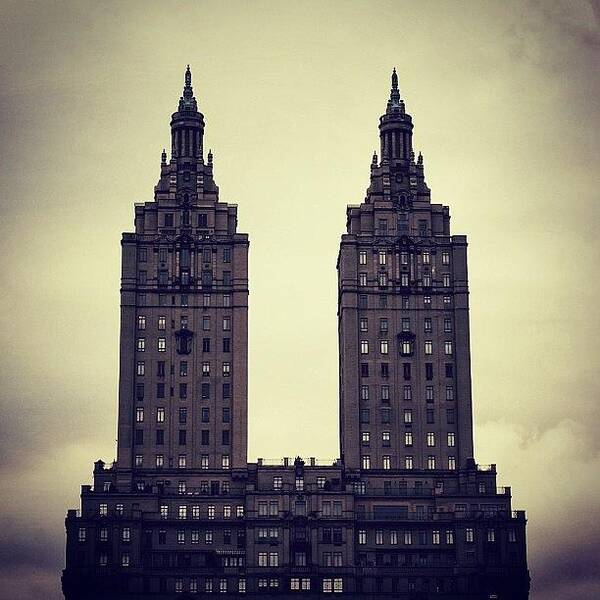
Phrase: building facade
[404,513]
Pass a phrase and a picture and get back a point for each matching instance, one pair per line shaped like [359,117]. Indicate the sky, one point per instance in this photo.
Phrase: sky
[505,101]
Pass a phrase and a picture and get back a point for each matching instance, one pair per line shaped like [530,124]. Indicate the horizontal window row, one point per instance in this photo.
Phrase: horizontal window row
[408,462]
[205,300]
[405,325]
[385,414]
[383,301]
[182,461]
[385,392]
[406,347]
[182,438]
[183,414]
[384,371]
[383,280]
[183,254]
[408,439]
[185,274]
[161,323]
[383,256]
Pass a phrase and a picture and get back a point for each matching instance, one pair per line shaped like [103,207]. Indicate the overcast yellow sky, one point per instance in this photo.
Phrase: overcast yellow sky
[504,97]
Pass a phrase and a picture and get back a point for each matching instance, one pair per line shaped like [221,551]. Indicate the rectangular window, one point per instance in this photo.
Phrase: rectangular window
[448,348]
[407,392]
[451,439]
[141,344]
[226,323]
[162,344]
[382,257]
[428,347]
[362,279]
[362,257]
[364,326]
[445,258]
[364,347]
[407,416]
[383,347]
[408,438]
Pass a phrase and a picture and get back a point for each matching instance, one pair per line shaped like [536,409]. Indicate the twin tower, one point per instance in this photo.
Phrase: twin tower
[404,513]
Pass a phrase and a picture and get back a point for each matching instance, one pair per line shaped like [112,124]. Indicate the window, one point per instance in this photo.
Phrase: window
[382,257]
[139,414]
[408,538]
[383,346]
[491,535]
[431,439]
[406,348]
[364,369]
[181,462]
[408,438]
[364,324]
[446,280]
[226,369]
[81,534]
[405,324]
[141,322]
[160,415]
[366,461]
[364,347]
[451,440]
[512,535]
[379,537]
[365,438]
[469,535]
[426,280]
[429,371]
[407,416]
[362,279]
[225,461]
[385,370]
[385,438]
[277,482]
[404,279]
[125,559]
[321,482]
[445,258]
[429,393]
[428,347]
[449,370]
[362,257]
[435,537]
[449,392]
[362,301]
[427,301]
[451,463]
[449,536]
[160,460]
[426,258]
[182,512]
[141,344]
[226,323]
[431,462]
[205,369]
[448,348]
[162,344]
[407,392]
[447,325]
[430,416]
[386,462]
[382,279]
[162,323]
[362,537]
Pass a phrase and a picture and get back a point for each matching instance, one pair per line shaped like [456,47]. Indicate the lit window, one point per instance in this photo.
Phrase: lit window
[182,512]
[431,439]
[431,462]
[226,323]
[379,537]
[408,538]
[426,280]
[446,280]
[428,347]
[427,301]
[141,322]
[448,348]
[81,534]
[404,279]
[491,535]
[160,415]
[362,279]
[451,439]
[162,323]
[385,438]
[365,438]
[449,536]
[139,414]
[447,325]
[382,257]
[126,534]
[382,279]
[404,258]
[408,462]
[366,461]
[141,368]
[181,463]
[426,258]
[407,392]
[162,344]
[225,461]
[226,369]
[141,344]
[362,257]
[160,460]
[408,438]
[383,346]
[277,482]
[435,537]
[387,462]
[364,347]
[407,415]
[364,324]
[445,258]
[362,537]
[469,535]
[512,535]
[125,559]
[204,461]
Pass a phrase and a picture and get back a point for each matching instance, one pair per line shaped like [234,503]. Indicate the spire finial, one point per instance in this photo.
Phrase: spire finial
[210,157]
[394,100]
[374,161]
[163,157]
[420,159]
[187,100]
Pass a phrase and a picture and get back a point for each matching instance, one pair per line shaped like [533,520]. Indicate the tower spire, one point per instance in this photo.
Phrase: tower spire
[187,102]
[394,92]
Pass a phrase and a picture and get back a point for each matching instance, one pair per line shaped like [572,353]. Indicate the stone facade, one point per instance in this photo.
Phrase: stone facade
[405,512]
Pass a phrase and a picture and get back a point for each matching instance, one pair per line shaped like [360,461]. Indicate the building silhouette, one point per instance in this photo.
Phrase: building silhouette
[405,512]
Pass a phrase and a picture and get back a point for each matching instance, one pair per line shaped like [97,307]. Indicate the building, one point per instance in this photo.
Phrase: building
[405,513]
